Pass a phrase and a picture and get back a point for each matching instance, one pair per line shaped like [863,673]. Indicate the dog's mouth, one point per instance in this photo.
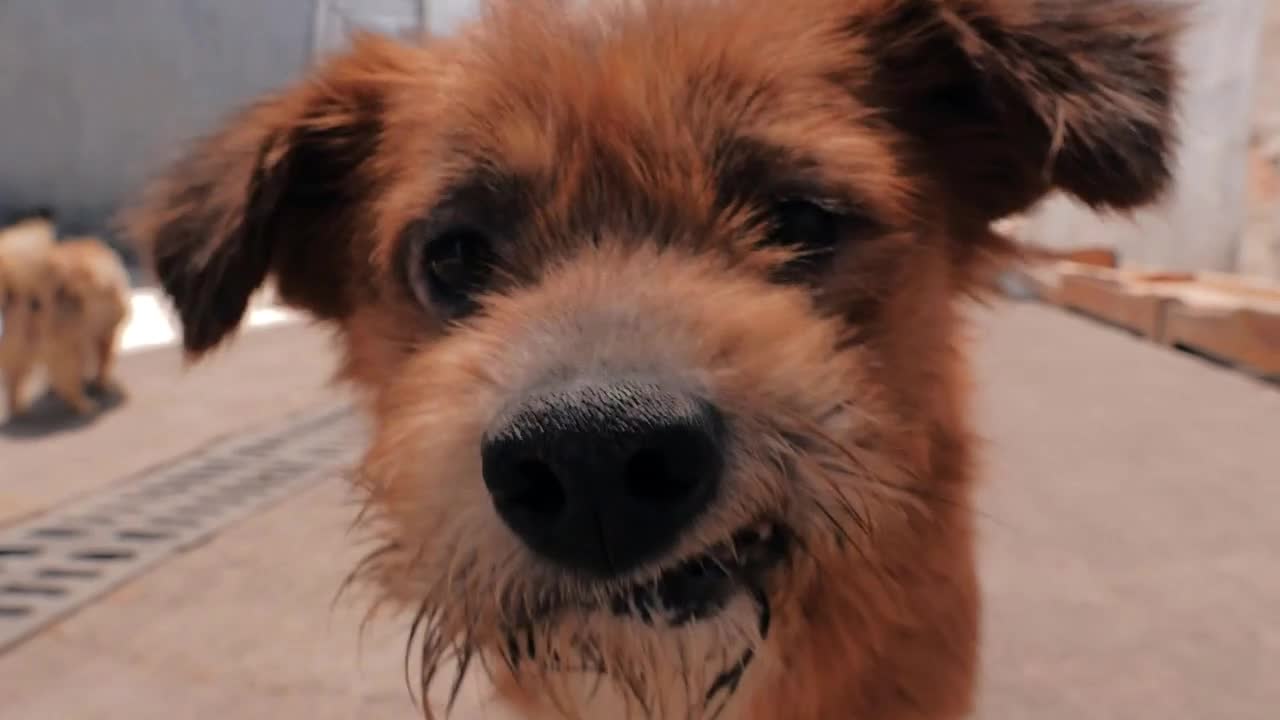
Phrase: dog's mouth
[700,587]
[695,589]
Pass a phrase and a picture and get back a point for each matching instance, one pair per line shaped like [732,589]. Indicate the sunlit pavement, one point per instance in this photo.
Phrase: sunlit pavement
[152,323]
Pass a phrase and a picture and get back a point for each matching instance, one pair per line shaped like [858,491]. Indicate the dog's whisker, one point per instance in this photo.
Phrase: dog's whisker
[419,618]
[366,566]
[466,653]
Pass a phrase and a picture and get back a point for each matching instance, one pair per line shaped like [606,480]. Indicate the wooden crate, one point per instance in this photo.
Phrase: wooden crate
[1245,338]
[1230,318]
[1135,301]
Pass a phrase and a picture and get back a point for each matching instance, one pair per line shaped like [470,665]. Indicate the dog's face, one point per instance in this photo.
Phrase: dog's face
[654,304]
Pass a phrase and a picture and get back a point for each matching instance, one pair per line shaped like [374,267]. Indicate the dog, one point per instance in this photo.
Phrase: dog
[24,284]
[65,304]
[657,309]
[90,309]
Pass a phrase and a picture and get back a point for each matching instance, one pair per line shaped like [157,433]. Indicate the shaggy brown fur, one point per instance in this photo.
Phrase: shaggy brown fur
[772,205]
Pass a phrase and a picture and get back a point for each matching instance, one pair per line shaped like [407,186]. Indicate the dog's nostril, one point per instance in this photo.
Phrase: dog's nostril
[537,490]
[648,476]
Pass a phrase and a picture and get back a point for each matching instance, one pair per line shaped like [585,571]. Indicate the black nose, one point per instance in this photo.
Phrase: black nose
[602,477]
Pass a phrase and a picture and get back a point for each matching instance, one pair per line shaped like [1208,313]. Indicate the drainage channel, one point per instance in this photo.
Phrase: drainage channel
[60,561]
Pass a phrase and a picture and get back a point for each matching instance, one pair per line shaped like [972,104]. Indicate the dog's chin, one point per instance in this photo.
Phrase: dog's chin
[700,587]
[678,606]
[730,577]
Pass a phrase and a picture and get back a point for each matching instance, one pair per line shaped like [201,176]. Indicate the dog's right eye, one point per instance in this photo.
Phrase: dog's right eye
[454,265]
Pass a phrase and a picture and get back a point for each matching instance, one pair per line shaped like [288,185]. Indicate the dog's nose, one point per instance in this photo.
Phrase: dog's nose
[601,477]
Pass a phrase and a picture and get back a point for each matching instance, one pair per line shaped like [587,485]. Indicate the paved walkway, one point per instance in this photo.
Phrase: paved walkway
[1130,521]
[47,458]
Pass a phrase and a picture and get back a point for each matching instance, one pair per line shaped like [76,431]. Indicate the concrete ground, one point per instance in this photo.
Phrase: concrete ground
[1130,523]
[170,409]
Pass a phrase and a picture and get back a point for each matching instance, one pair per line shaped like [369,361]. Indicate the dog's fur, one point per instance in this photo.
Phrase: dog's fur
[630,158]
[64,306]
[90,309]
[24,294]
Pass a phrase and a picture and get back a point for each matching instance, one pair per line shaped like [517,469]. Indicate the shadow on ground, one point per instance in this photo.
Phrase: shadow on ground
[48,415]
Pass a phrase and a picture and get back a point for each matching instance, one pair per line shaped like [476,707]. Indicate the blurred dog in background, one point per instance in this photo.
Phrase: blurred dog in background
[24,283]
[63,305]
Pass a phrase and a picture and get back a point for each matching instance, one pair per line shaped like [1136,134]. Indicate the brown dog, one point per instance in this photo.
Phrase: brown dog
[655,306]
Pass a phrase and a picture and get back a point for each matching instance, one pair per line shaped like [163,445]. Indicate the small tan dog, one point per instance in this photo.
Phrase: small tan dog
[64,304]
[90,308]
[25,286]
[656,307]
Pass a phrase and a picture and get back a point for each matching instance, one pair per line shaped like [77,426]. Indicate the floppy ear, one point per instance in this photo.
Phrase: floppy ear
[1003,101]
[277,192]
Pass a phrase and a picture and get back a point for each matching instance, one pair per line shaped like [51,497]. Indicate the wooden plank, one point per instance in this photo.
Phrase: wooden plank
[1231,318]
[1085,255]
[1104,296]
[1247,338]
[1228,317]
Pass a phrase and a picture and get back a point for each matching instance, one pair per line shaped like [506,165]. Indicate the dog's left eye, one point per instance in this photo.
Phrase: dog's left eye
[455,265]
[811,228]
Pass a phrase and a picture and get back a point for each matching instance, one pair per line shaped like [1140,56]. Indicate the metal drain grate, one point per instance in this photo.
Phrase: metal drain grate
[60,561]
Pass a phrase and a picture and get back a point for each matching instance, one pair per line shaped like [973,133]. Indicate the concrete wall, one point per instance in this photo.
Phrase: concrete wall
[1260,247]
[96,94]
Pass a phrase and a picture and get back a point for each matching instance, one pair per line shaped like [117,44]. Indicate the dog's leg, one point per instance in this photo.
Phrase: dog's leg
[105,349]
[15,380]
[66,377]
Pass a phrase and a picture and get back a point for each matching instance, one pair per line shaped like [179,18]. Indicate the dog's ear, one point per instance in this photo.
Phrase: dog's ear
[1003,101]
[277,192]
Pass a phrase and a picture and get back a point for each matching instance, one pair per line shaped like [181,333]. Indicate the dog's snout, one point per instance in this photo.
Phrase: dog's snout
[601,477]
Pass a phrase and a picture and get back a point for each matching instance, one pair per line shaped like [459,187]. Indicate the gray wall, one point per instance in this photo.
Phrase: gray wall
[96,94]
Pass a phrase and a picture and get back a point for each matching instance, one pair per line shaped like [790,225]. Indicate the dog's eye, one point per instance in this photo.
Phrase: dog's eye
[805,225]
[813,230]
[455,265]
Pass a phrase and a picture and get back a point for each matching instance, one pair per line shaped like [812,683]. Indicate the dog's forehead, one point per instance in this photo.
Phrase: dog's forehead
[686,63]
[657,89]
